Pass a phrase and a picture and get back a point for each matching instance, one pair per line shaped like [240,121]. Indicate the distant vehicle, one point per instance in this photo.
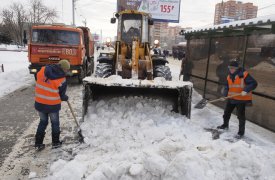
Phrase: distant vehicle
[51,43]
[179,50]
[170,53]
[103,55]
[106,54]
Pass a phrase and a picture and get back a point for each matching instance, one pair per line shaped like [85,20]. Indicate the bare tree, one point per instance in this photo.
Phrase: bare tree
[40,14]
[14,19]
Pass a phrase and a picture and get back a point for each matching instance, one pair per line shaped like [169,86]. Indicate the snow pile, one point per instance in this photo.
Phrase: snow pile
[140,138]
[16,73]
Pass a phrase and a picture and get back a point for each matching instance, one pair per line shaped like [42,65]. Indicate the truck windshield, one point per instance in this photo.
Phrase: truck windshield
[49,36]
[131,27]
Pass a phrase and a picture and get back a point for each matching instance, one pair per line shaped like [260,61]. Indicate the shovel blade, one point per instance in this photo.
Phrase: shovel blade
[201,104]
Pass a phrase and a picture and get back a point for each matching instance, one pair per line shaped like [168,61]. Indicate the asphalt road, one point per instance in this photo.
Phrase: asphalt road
[16,114]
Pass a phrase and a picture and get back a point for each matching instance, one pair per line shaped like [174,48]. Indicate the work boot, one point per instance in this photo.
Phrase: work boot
[223,126]
[39,137]
[239,136]
[39,147]
[56,145]
[55,141]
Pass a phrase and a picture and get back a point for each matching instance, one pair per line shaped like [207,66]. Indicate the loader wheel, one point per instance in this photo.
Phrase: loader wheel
[103,70]
[162,71]
[89,70]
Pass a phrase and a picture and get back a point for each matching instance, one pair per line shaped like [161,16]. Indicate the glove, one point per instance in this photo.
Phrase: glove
[243,93]
[65,98]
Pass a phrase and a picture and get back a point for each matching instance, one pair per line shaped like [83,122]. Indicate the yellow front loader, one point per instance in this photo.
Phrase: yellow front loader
[132,70]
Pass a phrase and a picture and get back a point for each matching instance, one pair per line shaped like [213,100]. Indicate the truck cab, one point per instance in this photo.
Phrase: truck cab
[51,43]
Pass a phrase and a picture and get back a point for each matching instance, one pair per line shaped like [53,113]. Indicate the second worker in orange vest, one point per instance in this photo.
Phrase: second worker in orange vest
[238,82]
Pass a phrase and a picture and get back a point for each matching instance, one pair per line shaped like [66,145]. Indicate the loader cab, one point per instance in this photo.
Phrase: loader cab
[133,25]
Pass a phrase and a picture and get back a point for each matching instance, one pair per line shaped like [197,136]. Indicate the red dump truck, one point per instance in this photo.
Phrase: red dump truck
[51,43]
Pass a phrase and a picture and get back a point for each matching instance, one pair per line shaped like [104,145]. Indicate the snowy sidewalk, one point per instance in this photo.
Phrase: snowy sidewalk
[23,159]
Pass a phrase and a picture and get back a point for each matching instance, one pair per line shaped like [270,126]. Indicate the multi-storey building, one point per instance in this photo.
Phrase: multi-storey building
[234,10]
[159,30]
[167,35]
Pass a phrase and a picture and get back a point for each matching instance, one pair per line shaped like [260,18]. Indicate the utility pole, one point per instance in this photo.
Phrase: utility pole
[62,12]
[85,22]
[73,5]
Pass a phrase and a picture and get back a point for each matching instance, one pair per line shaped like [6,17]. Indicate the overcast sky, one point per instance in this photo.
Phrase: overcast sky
[193,13]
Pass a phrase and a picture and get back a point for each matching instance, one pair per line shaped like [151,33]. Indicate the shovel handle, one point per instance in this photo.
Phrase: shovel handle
[225,97]
[71,109]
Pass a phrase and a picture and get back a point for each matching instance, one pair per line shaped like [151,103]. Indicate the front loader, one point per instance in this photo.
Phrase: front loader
[132,70]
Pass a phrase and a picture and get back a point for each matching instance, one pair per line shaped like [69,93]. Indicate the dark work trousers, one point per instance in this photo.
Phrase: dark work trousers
[44,117]
[240,114]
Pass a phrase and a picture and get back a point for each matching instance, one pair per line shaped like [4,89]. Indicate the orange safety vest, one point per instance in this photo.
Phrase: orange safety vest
[46,90]
[237,87]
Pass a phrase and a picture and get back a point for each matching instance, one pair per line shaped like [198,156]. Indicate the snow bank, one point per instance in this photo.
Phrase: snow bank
[6,47]
[16,73]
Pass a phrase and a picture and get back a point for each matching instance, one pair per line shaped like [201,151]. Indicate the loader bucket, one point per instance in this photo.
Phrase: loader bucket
[179,93]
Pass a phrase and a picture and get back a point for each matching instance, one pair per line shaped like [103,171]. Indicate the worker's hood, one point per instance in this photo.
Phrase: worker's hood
[54,71]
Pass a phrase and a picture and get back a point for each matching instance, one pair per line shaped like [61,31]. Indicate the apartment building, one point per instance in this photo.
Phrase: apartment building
[167,35]
[234,10]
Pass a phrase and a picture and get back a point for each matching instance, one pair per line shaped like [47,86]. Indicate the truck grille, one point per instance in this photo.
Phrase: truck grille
[49,60]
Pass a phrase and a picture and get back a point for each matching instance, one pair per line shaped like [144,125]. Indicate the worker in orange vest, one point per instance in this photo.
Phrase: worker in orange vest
[50,90]
[238,82]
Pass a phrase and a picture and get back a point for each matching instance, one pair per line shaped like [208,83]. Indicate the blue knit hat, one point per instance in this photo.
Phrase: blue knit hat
[234,64]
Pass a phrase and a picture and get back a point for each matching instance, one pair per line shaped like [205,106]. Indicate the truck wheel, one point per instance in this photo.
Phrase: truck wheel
[90,66]
[103,70]
[162,71]
[82,75]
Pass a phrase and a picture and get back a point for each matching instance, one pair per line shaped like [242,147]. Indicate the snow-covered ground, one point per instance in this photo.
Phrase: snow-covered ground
[16,73]
[140,138]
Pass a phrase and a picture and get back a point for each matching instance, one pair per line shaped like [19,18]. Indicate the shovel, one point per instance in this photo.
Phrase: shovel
[81,137]
[203,102]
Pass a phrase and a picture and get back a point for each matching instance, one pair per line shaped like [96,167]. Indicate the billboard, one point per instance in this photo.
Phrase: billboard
[161,10]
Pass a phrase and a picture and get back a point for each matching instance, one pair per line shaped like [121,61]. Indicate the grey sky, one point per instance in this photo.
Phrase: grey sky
[193,13]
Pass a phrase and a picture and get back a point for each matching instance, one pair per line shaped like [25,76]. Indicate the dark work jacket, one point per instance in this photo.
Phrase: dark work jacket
[52,72]
[250,85]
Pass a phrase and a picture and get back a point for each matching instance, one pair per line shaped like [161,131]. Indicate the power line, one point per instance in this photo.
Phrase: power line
[266,6]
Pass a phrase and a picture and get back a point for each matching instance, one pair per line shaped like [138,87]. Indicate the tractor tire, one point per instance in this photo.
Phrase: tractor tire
[103,70]
[89,70]
[162,71]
